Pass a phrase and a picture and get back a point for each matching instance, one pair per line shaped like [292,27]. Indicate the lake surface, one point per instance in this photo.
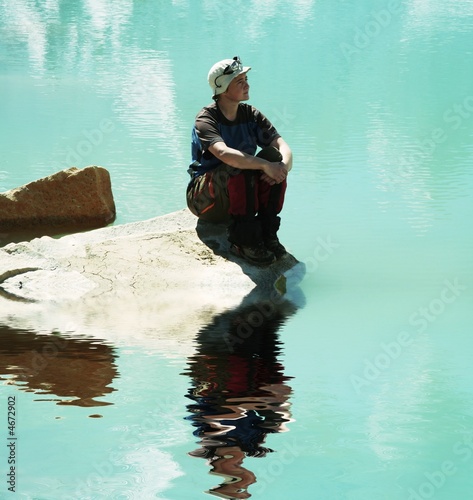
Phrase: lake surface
[360,385]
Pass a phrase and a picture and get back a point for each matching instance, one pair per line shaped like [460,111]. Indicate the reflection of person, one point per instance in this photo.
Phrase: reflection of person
[227,463]
[239,395]
[228,182]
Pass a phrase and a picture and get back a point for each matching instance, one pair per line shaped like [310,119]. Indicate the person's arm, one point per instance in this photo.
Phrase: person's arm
[277,171]
[286,153]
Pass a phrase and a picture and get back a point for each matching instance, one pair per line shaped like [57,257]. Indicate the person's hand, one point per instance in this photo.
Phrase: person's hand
[274,172]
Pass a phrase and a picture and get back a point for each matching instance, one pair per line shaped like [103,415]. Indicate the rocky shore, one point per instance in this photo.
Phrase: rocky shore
[171,273]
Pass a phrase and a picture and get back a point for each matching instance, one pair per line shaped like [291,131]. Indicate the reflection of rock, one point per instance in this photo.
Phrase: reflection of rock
[70,199]
[76,370]
[156,274]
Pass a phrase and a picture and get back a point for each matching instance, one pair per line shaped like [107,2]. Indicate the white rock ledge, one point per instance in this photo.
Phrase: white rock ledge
[162,272]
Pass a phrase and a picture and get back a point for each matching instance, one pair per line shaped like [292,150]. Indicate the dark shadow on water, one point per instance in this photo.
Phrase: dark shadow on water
[239,392]
[70,371]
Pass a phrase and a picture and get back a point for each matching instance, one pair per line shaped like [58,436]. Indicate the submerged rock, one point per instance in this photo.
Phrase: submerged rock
[73,199]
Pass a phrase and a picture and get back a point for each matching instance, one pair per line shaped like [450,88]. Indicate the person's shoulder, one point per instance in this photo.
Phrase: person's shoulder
[249,111]
[248,108]
[206,111]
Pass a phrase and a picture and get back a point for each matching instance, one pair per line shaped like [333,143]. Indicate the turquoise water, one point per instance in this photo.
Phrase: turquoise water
[365,380]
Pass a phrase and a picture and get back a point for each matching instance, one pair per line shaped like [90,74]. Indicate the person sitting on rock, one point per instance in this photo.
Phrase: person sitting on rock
[229,183]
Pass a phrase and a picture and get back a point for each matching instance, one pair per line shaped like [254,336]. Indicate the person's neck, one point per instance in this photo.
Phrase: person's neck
[228,108]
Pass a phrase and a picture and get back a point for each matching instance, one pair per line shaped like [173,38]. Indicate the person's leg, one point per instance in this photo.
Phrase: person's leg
[270,204]
[244,231]
[242,194]
[207,195]
[270,199]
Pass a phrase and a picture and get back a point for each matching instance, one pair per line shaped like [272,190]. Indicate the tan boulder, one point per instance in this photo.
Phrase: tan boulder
[73,199]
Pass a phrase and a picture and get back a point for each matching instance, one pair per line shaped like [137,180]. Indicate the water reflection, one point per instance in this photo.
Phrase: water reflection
[85,39]
[26,24]
[78,371]
[239,391]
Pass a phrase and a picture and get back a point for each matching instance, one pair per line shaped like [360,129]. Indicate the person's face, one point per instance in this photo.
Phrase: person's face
[239,89]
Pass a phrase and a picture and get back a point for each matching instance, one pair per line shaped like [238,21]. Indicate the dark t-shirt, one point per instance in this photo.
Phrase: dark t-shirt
[250,130]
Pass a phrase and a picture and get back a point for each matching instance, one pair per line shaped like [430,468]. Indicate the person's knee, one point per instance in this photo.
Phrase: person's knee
[270,153]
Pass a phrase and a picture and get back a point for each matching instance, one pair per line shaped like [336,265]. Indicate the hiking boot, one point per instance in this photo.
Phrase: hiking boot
[275,246]
[270,226]
[257,255]
[244,233]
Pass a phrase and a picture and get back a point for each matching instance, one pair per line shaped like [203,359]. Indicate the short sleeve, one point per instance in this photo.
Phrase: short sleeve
[207,129]
[266,130]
